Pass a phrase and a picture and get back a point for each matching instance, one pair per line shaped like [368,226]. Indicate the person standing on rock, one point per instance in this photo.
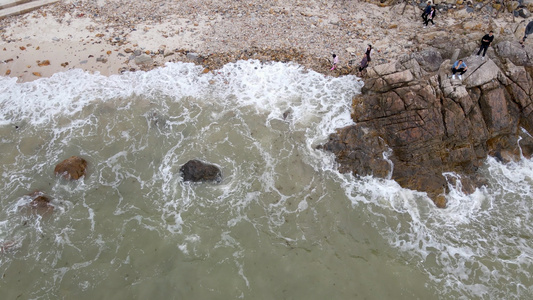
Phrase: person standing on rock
[430,17]
[363,64]
[335,61]
[367,53]
[459,67]
[426,12]
[485,43]
[528,31]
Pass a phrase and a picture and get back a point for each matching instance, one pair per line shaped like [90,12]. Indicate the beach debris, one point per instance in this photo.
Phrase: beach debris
[8,71]
[101,59]
[192,56]
[43,63]
[196,170]
[38,74]
[73,168]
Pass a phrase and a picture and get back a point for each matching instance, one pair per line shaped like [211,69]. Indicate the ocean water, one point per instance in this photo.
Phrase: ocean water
[282,223]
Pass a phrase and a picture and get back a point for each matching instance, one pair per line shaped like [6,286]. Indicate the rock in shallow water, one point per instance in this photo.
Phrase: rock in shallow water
[195,170]
[71,168]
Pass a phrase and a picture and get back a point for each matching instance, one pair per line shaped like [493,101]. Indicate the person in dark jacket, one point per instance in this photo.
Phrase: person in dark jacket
[367,53]
[363,64]
[486,40]
[528,31]
[430,17]
[426,12]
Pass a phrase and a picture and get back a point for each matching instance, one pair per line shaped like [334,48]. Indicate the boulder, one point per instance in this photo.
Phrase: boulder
[71,168]
[430,59]
[195,170]
[40,201]
[40,204]
[480,72]
[514,52]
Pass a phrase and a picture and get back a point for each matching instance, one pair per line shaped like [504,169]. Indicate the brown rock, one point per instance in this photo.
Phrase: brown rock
[37,74]
[441,201]
[40,201]
[71,168]
[434,126]
[40,204]
[8,71]
[43,63]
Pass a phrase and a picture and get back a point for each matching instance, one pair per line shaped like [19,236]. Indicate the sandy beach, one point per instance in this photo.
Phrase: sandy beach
[115,36]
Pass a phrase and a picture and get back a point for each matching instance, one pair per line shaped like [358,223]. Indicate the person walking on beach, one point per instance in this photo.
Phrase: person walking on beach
[430,17]
[459,67]
[485,43]
[367,53]
[426,12]
[528,31]
[335,61]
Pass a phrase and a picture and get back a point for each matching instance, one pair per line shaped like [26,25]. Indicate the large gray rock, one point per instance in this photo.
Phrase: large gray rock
[480,72]
[430,59]
[515,53]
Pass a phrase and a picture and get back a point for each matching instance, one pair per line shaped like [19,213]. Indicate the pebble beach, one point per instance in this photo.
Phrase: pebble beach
[112,37]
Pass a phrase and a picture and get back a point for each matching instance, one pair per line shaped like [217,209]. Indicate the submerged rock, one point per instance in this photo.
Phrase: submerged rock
[40,204]
[195,170]
[71,168]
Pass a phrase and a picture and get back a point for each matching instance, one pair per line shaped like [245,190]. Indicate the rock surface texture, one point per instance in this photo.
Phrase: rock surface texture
[195,170]
[413,119]
[71,168]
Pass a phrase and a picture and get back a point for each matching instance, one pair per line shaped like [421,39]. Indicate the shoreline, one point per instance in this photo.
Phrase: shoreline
[116,36]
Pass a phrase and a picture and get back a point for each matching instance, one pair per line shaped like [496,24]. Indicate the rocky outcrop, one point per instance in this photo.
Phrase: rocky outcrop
[195,170]
[417,121]
[71,168]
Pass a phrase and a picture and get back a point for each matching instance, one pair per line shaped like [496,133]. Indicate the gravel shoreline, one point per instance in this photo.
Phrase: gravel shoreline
[110,36]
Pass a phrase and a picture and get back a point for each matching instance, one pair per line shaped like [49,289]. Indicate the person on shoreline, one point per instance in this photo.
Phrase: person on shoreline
[367,53]
[528,31]
[426,12]
[486,40]
[335,62]
[459,66]
[430,17]
[363,64]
